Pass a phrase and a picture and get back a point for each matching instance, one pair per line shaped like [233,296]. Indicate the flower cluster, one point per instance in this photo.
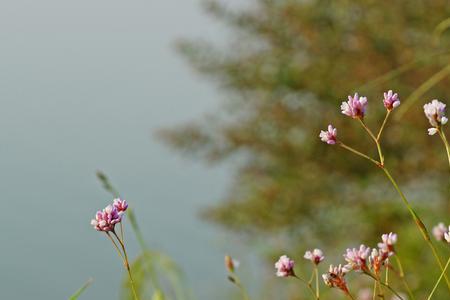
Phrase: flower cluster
[391,100]
[316,256]
[355,107]
[362,259]
[329,136]
[285,267]
[335,277]
[357,258]
[435,112]
[106,219]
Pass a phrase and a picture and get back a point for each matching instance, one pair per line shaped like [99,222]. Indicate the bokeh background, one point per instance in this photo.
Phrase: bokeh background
[205,115]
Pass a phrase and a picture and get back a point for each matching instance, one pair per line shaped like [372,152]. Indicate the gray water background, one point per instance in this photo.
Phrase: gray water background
[83,86]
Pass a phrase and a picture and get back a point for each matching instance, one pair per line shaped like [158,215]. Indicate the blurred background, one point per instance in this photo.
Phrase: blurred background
[205,116]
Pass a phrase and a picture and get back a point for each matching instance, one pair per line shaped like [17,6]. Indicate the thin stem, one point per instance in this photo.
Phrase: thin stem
[349,295]
[439,280]
[127,266]
[358,153]
[316,271]
[382,125]
[374,293]
[308,285]
[386,279]
[402,277]
[115,245]
[235,279]
[419,223]
[380,154]
[121,232]
[384,284]
[444,139]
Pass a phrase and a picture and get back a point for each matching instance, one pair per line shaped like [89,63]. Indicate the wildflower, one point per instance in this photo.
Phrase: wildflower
[355,107]
[315,256]
[120,205]
[285,267]
[106,219]
[231,264]
[387,244]
[335,277]
[329,136]
[391,100]
[435,112]
[439,231]
[357,258]
[377,259]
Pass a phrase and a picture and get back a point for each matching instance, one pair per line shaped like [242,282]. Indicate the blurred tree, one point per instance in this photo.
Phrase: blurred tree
[285,74]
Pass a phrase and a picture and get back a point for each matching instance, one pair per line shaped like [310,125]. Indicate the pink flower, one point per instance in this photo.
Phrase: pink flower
[329,136]
[357,258]
[387,244]
[106,219]
[391,100]
[435,112]
[439,231]
[315,256]
[120,205]
[335,277]
[285,267]
[355,107]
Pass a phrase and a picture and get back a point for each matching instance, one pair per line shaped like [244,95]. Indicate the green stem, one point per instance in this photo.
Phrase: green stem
[384,284]
[115,245]
[380,154]
[444,139]
[316,271]
[439,280]
[386,278]
[382,125]
[374,293]
[235,279]
[358,153]
[127,266]
[308,285]
[419,224]
[402,277]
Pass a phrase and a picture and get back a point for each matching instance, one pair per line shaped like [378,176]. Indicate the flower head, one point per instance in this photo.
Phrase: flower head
[357,258]
[435,112]
[285,267]
[391,100]
[315,256]
[388,242]
[439,231]
[121,205]
[355,107]
[106,219]
[329,136]
[335,277]
[231,264]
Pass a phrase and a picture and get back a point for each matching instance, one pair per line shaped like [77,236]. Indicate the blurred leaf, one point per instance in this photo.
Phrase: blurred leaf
[82,289]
